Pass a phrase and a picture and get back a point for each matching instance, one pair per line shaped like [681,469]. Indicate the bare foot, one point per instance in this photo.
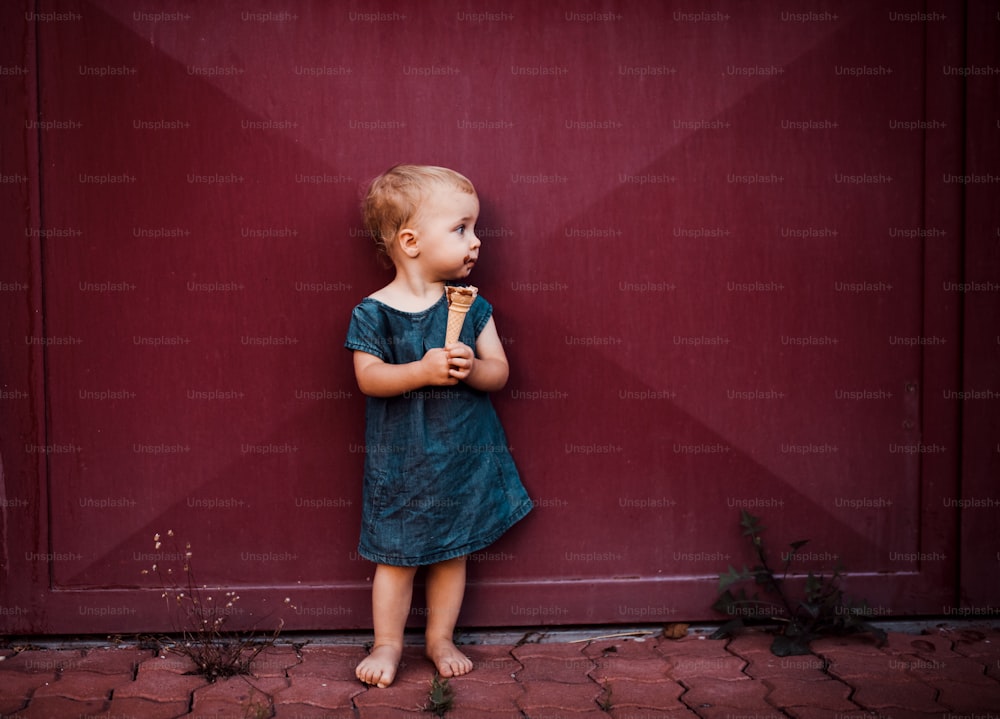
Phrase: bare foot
[379,667]
[449,661]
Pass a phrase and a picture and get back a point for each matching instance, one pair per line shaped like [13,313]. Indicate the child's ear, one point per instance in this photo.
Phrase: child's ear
[406,241]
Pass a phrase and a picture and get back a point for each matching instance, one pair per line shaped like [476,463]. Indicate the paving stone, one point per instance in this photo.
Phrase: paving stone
[132,708]
[554,669]
[661,695]
[979,644]
[874,692]
[933,644]
[42,661]
[727,667]
[336,663]
[626,648]
[16,687]
[274,662]
[239,690]
[719,712]
[750,642]
[319,692]
[9,706]
[909,714]
[160,685]
[847,665]
[993,670]
[106,660]
[820,713]
[308,711]
[645,713]
[901,643]
[829,694]
[851,645]
[950,668]
[169,662]
[83,686]
[547,713]
[471,694]
[381,712]
[540,695]
[707,692]
[621,668]
[410,696]
[693,647]
[491,663]
[962,697]
[225,709]
[59,708]
[466,713]
[803,668]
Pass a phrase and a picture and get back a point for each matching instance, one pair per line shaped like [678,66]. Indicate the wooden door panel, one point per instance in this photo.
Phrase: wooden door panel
[713,246]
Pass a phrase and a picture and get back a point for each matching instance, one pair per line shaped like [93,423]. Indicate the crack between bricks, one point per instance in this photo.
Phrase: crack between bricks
[750,677]
[770,687]
[826,672]
[681,683]
[680,698]
[253,688]
[825,668]
[510,653]
[605,688]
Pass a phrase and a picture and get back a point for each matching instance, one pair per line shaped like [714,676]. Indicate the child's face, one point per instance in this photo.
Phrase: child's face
[446,233]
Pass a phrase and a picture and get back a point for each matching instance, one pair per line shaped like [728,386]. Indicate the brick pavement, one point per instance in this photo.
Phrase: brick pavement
[951,672]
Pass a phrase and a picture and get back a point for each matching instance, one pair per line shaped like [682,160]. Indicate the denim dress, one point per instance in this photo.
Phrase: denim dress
[439,481]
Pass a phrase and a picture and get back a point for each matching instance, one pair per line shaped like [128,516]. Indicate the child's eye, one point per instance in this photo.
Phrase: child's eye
[460,229]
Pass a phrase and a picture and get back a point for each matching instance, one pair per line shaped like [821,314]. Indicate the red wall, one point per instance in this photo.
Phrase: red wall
[729,252]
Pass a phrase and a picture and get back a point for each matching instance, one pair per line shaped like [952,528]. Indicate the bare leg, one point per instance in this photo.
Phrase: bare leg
[445,589]
[392,591]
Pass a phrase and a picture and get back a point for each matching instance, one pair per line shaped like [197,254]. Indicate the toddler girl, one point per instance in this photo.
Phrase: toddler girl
[439,482]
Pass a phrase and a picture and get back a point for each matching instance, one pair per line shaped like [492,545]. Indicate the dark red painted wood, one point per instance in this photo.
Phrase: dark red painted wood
[979,293]
[716,243]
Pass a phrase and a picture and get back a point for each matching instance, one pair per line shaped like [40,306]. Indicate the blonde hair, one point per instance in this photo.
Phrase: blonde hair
[394,197]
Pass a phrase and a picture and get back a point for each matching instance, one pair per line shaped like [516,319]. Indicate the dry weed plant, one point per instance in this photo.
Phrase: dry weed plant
[198,616]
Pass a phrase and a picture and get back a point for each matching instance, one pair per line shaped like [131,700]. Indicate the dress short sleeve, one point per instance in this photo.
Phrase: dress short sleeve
[367,331]
[481,313]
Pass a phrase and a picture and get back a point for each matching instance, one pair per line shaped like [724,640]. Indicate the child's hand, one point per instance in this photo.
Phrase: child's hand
[460,358]
[438,368]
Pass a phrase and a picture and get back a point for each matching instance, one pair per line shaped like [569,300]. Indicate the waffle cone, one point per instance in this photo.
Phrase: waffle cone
[460,299]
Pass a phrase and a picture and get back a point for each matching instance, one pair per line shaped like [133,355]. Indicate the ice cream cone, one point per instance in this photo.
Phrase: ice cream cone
[460,299]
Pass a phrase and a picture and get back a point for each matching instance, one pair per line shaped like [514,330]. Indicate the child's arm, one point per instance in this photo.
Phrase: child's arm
[486,372]
[487,368]
[377,378]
